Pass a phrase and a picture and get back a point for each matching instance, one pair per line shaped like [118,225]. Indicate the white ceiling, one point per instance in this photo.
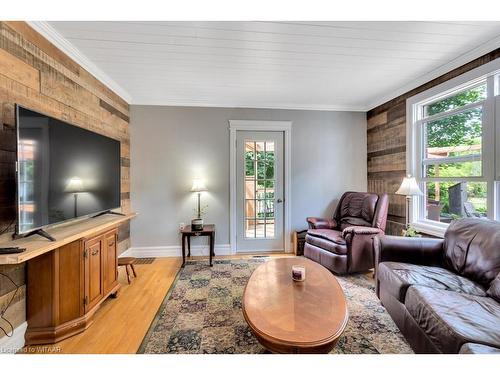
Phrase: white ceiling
[303,65]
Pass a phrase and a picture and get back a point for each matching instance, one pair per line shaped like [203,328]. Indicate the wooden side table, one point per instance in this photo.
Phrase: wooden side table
[208,231]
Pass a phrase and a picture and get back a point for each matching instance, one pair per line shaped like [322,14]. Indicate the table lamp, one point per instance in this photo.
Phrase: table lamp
[409,188]
[198,187]
[75,186]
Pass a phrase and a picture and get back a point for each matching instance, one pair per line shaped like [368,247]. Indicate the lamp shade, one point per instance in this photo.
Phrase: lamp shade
[198,185]
[409,187]
[75,185]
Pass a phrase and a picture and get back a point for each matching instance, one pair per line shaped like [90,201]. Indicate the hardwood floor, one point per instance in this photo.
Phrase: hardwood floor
[121,324]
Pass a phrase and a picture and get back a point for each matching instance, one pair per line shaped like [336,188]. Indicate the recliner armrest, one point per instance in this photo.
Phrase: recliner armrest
[321,223]
[414,250]
[360,230]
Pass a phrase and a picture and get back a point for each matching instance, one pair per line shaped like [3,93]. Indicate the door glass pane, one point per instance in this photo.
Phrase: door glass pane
[261,170]
[269,193]
[270,228]
[259,189]
[261,184]
[250,209]
[260,229]
[250,228]
[250,159]
[269,209]
[449,200]
[250,189]
[261,209]
[260,149]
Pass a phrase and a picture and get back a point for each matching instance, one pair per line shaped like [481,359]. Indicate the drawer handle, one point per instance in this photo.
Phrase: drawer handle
[95,252]
[111,243]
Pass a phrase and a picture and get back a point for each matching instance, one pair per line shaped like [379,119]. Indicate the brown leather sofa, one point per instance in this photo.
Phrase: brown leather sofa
[344,244]
[444,294]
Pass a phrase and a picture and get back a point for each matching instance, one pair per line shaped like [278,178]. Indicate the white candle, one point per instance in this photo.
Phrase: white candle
[298,273]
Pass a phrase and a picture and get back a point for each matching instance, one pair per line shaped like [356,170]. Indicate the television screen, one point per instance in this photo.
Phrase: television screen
[63,171]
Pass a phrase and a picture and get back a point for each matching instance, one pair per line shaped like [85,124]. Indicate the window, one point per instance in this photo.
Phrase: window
[451,150]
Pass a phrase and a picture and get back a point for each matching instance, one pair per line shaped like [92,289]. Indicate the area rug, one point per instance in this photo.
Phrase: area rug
[202,314]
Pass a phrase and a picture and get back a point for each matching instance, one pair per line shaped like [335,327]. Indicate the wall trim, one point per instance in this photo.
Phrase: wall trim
[53,36]
[10,345]
[461,60]
[259,125]
[172,251]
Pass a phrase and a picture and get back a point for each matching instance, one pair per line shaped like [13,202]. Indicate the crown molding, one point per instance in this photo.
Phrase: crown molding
[313,107]
[51,34]
[461,60]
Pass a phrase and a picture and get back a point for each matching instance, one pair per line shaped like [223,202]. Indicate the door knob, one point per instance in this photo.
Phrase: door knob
[279,200]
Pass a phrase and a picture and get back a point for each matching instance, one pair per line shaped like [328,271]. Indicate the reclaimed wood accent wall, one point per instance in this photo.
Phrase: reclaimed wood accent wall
[37,75]
[386,137]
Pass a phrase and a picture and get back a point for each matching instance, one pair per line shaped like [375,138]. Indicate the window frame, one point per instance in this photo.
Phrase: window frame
[488,73]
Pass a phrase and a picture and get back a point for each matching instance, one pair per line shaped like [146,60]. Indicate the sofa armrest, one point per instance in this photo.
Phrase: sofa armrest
[414,250]
[321,223]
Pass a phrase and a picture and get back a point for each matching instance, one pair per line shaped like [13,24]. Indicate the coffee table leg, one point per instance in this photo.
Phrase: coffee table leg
[183,250]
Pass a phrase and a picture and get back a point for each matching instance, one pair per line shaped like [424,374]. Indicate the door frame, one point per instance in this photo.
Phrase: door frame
[258,125]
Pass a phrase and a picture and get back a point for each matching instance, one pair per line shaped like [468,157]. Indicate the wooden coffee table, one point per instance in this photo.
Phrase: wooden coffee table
[295,317]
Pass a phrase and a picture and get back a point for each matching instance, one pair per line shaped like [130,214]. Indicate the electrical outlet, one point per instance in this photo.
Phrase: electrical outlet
[181,226]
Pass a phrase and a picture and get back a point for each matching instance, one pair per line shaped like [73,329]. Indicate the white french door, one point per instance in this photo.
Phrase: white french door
[259,191]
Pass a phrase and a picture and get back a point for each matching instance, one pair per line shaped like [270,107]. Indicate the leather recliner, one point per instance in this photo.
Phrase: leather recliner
[344,244]
[444,294]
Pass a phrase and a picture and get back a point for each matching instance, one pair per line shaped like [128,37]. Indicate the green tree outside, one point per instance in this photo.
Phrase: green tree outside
[463,129]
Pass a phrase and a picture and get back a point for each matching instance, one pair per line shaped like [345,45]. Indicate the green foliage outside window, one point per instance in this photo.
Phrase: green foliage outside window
[462,129]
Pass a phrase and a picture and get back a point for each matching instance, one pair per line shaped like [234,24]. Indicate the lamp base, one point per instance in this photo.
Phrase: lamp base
[197,224]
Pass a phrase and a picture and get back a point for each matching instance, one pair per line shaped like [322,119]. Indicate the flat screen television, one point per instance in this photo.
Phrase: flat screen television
[63,172]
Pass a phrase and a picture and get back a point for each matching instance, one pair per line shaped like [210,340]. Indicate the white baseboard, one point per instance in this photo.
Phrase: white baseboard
[173,251]
[10,345]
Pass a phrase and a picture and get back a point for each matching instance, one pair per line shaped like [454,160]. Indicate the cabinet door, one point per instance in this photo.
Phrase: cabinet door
[93,268]
[71,281]
[110,261]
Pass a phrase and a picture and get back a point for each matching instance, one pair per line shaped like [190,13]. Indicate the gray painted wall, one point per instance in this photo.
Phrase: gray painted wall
[172,145]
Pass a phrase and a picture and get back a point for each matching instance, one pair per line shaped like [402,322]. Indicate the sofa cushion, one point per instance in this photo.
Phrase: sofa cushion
[471,348]
[451,319]
[327,239]
[471,249]
[398,277]
[494,289]
[328,234]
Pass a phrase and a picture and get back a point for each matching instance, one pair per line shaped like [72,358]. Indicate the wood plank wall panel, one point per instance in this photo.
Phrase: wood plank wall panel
[386,137]
[37,75]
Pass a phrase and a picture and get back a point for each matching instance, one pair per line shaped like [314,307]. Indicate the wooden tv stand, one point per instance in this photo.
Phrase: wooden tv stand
[69,278]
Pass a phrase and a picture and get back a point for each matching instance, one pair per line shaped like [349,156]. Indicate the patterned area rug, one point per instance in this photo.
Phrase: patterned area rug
[202,314]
